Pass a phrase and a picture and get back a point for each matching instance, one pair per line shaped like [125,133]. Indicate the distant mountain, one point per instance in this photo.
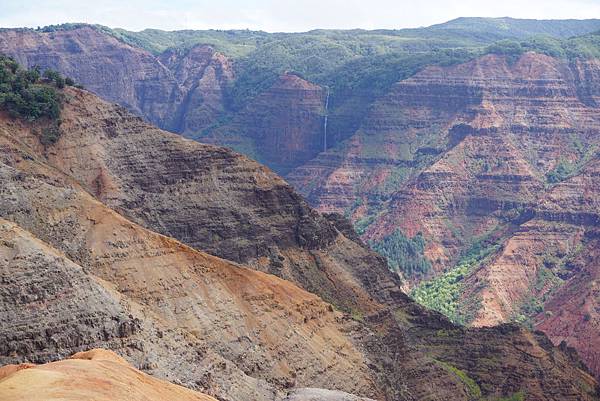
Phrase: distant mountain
[519,28]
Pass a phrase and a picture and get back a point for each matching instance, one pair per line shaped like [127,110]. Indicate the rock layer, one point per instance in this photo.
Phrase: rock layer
[283,127]
[472,153]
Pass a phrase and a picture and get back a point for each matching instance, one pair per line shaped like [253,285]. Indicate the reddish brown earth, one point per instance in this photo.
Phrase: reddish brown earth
[181,91]
[462,154]
[94,375]
[78,275]
[282,127]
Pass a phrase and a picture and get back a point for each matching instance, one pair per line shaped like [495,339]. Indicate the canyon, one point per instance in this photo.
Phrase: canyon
[79,275]
[475,178]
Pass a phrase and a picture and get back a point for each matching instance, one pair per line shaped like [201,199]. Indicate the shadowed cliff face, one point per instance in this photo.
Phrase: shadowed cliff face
[210,324]
[283,127]
[178,91]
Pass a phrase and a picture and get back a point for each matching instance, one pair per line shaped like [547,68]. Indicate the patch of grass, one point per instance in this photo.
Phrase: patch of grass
[357,315]
[471,385]
[518,396]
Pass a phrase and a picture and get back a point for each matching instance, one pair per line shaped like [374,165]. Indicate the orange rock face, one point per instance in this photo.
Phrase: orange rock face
[94,375]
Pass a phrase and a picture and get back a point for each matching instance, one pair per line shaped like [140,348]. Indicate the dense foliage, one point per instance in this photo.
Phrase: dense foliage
[586,46]
[23,94]
[404,254]
[444,292]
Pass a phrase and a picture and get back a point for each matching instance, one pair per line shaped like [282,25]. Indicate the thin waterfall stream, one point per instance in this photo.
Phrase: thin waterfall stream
[325,121]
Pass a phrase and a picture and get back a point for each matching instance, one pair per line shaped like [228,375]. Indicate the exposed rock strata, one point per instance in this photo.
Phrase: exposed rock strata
[178,91]
[464,153]
[283,127]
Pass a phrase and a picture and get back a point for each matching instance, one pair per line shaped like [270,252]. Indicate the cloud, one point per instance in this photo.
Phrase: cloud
[280,15]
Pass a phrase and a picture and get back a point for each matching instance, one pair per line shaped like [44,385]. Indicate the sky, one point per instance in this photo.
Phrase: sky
[280,15]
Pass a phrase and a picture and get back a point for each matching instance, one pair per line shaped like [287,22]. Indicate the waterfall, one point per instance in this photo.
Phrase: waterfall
[325,121]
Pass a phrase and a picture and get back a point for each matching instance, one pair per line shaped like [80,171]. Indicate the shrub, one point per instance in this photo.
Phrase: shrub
[506,47]
[443,293]
[404,254]
[23,95]
[561,172]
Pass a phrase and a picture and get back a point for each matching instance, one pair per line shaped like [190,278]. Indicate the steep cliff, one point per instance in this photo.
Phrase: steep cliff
[179,90]
[283,127]
[547,270]
[94,279]
[493,163]
[476,136]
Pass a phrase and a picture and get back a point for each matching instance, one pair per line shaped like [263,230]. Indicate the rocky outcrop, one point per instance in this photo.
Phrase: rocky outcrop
[178,91]
[283,127]
[97,374]
[553,258]
[173,311]
[571,314]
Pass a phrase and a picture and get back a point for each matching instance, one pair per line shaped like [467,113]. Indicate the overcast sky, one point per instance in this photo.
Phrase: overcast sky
[280,15]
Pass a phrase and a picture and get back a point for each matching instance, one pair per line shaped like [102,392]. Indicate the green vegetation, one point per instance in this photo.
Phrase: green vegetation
[586,46]
[24,95]
[470,384]
[359,65]
[552,270]
[505,27]
[443,293]
[518,396]
[235,43]
[361,225]
[565,168]
[473,388]
[50,134]
[404,254]
[354,61]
